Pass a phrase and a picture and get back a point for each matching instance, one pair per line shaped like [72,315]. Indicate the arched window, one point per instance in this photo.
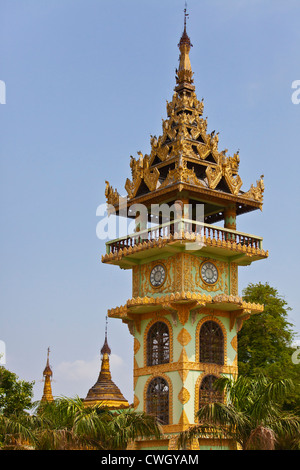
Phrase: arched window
[157,399]
[207,391]
[211,343]
[158,344]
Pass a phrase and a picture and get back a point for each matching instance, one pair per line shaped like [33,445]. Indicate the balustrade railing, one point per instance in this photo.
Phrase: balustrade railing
[178,229]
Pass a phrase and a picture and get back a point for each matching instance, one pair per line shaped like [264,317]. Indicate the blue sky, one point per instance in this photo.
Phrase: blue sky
[86,84]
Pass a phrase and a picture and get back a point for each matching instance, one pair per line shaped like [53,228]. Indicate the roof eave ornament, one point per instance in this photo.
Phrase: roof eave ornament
[185,38]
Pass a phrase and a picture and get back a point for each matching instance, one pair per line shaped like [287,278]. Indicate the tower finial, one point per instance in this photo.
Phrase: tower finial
[184,38]
[105,348]
[184,73]
[186,15]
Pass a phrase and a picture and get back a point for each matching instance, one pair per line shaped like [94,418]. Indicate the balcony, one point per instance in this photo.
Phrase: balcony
[184,235]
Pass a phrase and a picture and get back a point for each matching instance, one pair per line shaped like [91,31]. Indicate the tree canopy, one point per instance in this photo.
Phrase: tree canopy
[265,342]
[15,395]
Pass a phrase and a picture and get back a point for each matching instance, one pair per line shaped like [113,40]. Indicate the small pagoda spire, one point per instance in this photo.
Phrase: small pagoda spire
[47,392]
[105,348]
[105,390]
[184,76]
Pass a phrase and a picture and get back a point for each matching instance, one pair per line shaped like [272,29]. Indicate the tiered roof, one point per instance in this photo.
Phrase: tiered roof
[186,157]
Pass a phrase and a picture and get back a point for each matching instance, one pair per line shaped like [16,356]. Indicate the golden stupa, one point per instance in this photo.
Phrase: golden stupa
[105,391]
[47,392]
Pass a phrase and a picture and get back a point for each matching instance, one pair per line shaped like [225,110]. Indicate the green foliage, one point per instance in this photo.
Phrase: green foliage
[265,339]
[265,342]
[15,395]
[252,416]
[67,424]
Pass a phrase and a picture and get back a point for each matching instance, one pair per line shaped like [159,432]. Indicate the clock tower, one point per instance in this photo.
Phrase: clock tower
[185,310]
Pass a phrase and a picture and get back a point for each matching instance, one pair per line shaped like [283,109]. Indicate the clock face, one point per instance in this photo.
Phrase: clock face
[158,275]
[209,273]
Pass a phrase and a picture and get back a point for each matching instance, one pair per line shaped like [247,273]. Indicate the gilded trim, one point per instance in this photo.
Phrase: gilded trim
[182,367]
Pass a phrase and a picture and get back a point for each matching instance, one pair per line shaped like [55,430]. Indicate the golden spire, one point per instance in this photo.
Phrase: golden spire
[184,76]
[185,157]
[47,393]
[105,390]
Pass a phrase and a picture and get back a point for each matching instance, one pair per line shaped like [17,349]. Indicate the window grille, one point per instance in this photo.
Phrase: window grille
[207,392]
[157,399]
[158,344]
[211,343]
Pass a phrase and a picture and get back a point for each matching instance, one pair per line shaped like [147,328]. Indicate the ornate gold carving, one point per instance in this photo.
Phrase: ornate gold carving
[112,195]
[181,173]
[189,262]
[173,443]
[182,273]
[234,279]
[227,168]
[184,395]
[150,176]
[178,274]
[135,281]
[140,170]
[184,311]
[182,366]
[184,337]
[256,192]
[167,302]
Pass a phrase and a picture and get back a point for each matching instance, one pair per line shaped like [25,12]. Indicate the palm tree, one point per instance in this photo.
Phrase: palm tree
[252,416]
[67,424]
